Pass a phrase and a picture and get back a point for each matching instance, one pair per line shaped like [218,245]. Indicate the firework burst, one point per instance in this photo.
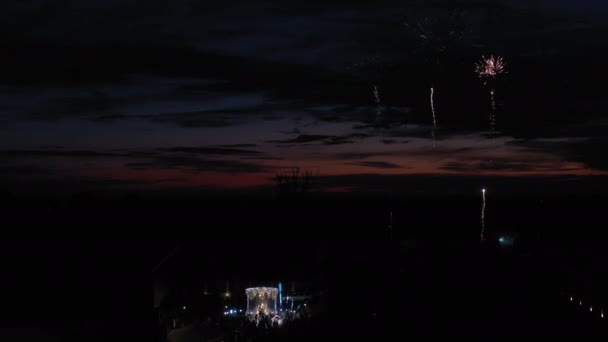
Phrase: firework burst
[490,67]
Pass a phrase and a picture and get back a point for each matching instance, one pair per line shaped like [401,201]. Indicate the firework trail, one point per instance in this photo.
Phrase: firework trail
[483,214]
[493,112]
[433,112]
[488,69]
[433,107]
[379,108]
[376,95]
[379,112]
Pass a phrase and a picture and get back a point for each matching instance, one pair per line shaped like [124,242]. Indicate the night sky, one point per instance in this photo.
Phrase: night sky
[220,96]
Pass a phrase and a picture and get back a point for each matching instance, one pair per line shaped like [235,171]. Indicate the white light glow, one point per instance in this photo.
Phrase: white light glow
[483,215]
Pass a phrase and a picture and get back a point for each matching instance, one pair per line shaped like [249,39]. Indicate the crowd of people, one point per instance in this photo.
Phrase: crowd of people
[260,326]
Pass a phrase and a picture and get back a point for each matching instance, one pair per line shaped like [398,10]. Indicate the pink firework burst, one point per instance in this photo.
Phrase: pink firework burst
[490,67]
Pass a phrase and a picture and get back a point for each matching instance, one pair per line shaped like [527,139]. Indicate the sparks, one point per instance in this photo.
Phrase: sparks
[490,67]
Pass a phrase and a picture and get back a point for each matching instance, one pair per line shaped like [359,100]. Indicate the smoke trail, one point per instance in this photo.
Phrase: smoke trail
[376,95]
[433,107]
[379,108]
[488,69]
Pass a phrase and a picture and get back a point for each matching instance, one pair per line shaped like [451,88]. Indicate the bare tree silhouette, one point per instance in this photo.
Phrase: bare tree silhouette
[294,181]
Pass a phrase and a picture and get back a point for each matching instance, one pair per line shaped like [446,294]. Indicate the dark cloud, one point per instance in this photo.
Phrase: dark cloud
[338,142]
[109,182]
[238,145]
[109,117]
[262,158]
[210,150]
[303,138]
[499,165]
[360,155]
[60,107]
[195,163]
[326,139]
[56,153]
[586,151]
[192,119]
[376,164]
[24,170]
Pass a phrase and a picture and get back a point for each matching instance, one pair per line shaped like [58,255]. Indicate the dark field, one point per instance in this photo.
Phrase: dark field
[87,263]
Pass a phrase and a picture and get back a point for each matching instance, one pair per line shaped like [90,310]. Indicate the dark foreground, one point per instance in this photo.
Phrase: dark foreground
[83,269]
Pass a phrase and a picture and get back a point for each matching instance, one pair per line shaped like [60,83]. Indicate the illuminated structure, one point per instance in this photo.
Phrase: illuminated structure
[262,299]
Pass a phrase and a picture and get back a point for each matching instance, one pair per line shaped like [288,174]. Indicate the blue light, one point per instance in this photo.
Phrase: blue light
[280,296]
[506,241]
